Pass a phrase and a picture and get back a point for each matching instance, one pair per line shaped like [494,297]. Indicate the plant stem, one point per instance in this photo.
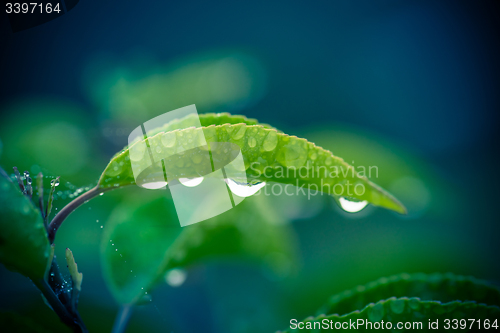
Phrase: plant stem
[122,318]
[69,208]
[75,323]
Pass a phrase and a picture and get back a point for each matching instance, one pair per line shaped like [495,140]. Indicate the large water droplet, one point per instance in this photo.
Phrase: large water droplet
[271,141]
[26,174]
[352,206]
[175,277]
[239,131]
[168,139]
[191,182]
[243,190]
[54,182]
[252,142]
[154,185]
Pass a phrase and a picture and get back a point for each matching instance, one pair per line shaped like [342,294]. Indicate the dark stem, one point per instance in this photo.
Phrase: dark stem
[122,318]
[74,322]
[69,208]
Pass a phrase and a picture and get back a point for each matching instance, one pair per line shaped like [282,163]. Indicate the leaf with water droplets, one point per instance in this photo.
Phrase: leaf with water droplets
[143,240]
[24,246]
[404,310]
[268,154]
[441,287]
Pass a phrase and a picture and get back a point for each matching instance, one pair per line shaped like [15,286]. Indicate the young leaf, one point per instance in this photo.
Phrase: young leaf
[404,310]
[76,279]
[269,156]
[143,239]
[24,246]
[438,287]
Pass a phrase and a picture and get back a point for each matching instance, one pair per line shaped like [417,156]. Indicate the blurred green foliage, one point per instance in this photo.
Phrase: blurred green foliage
[143,240]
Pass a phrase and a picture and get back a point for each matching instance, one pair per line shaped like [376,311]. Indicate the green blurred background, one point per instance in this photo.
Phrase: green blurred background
[410,87]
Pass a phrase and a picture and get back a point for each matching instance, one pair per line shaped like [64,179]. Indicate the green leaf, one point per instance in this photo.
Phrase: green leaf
[439,287]
[143,239]
[269,156]
[24,246]
[406,310]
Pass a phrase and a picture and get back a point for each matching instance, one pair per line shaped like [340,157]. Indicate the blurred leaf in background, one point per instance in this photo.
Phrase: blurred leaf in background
[131,92]
[143,240]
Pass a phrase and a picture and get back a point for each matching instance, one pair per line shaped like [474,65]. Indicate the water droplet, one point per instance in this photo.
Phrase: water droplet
[252,142]
[54,182]
[102,226]
[243,190]
[101,194]
[168,139]
[376,312]
[397,305]
[239,131]
[175,277]
[328,160]
[154,185]
[352,206]
[313,156]
[271,141]
[191,182]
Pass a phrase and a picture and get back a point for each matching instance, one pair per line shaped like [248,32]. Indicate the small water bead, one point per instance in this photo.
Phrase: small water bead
[102,226]
[252,142]
[101,194]
[54,182]
[328,160]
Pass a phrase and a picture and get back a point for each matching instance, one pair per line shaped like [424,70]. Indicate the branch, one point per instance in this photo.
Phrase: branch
[75,323]
[122,318]
[69,208]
